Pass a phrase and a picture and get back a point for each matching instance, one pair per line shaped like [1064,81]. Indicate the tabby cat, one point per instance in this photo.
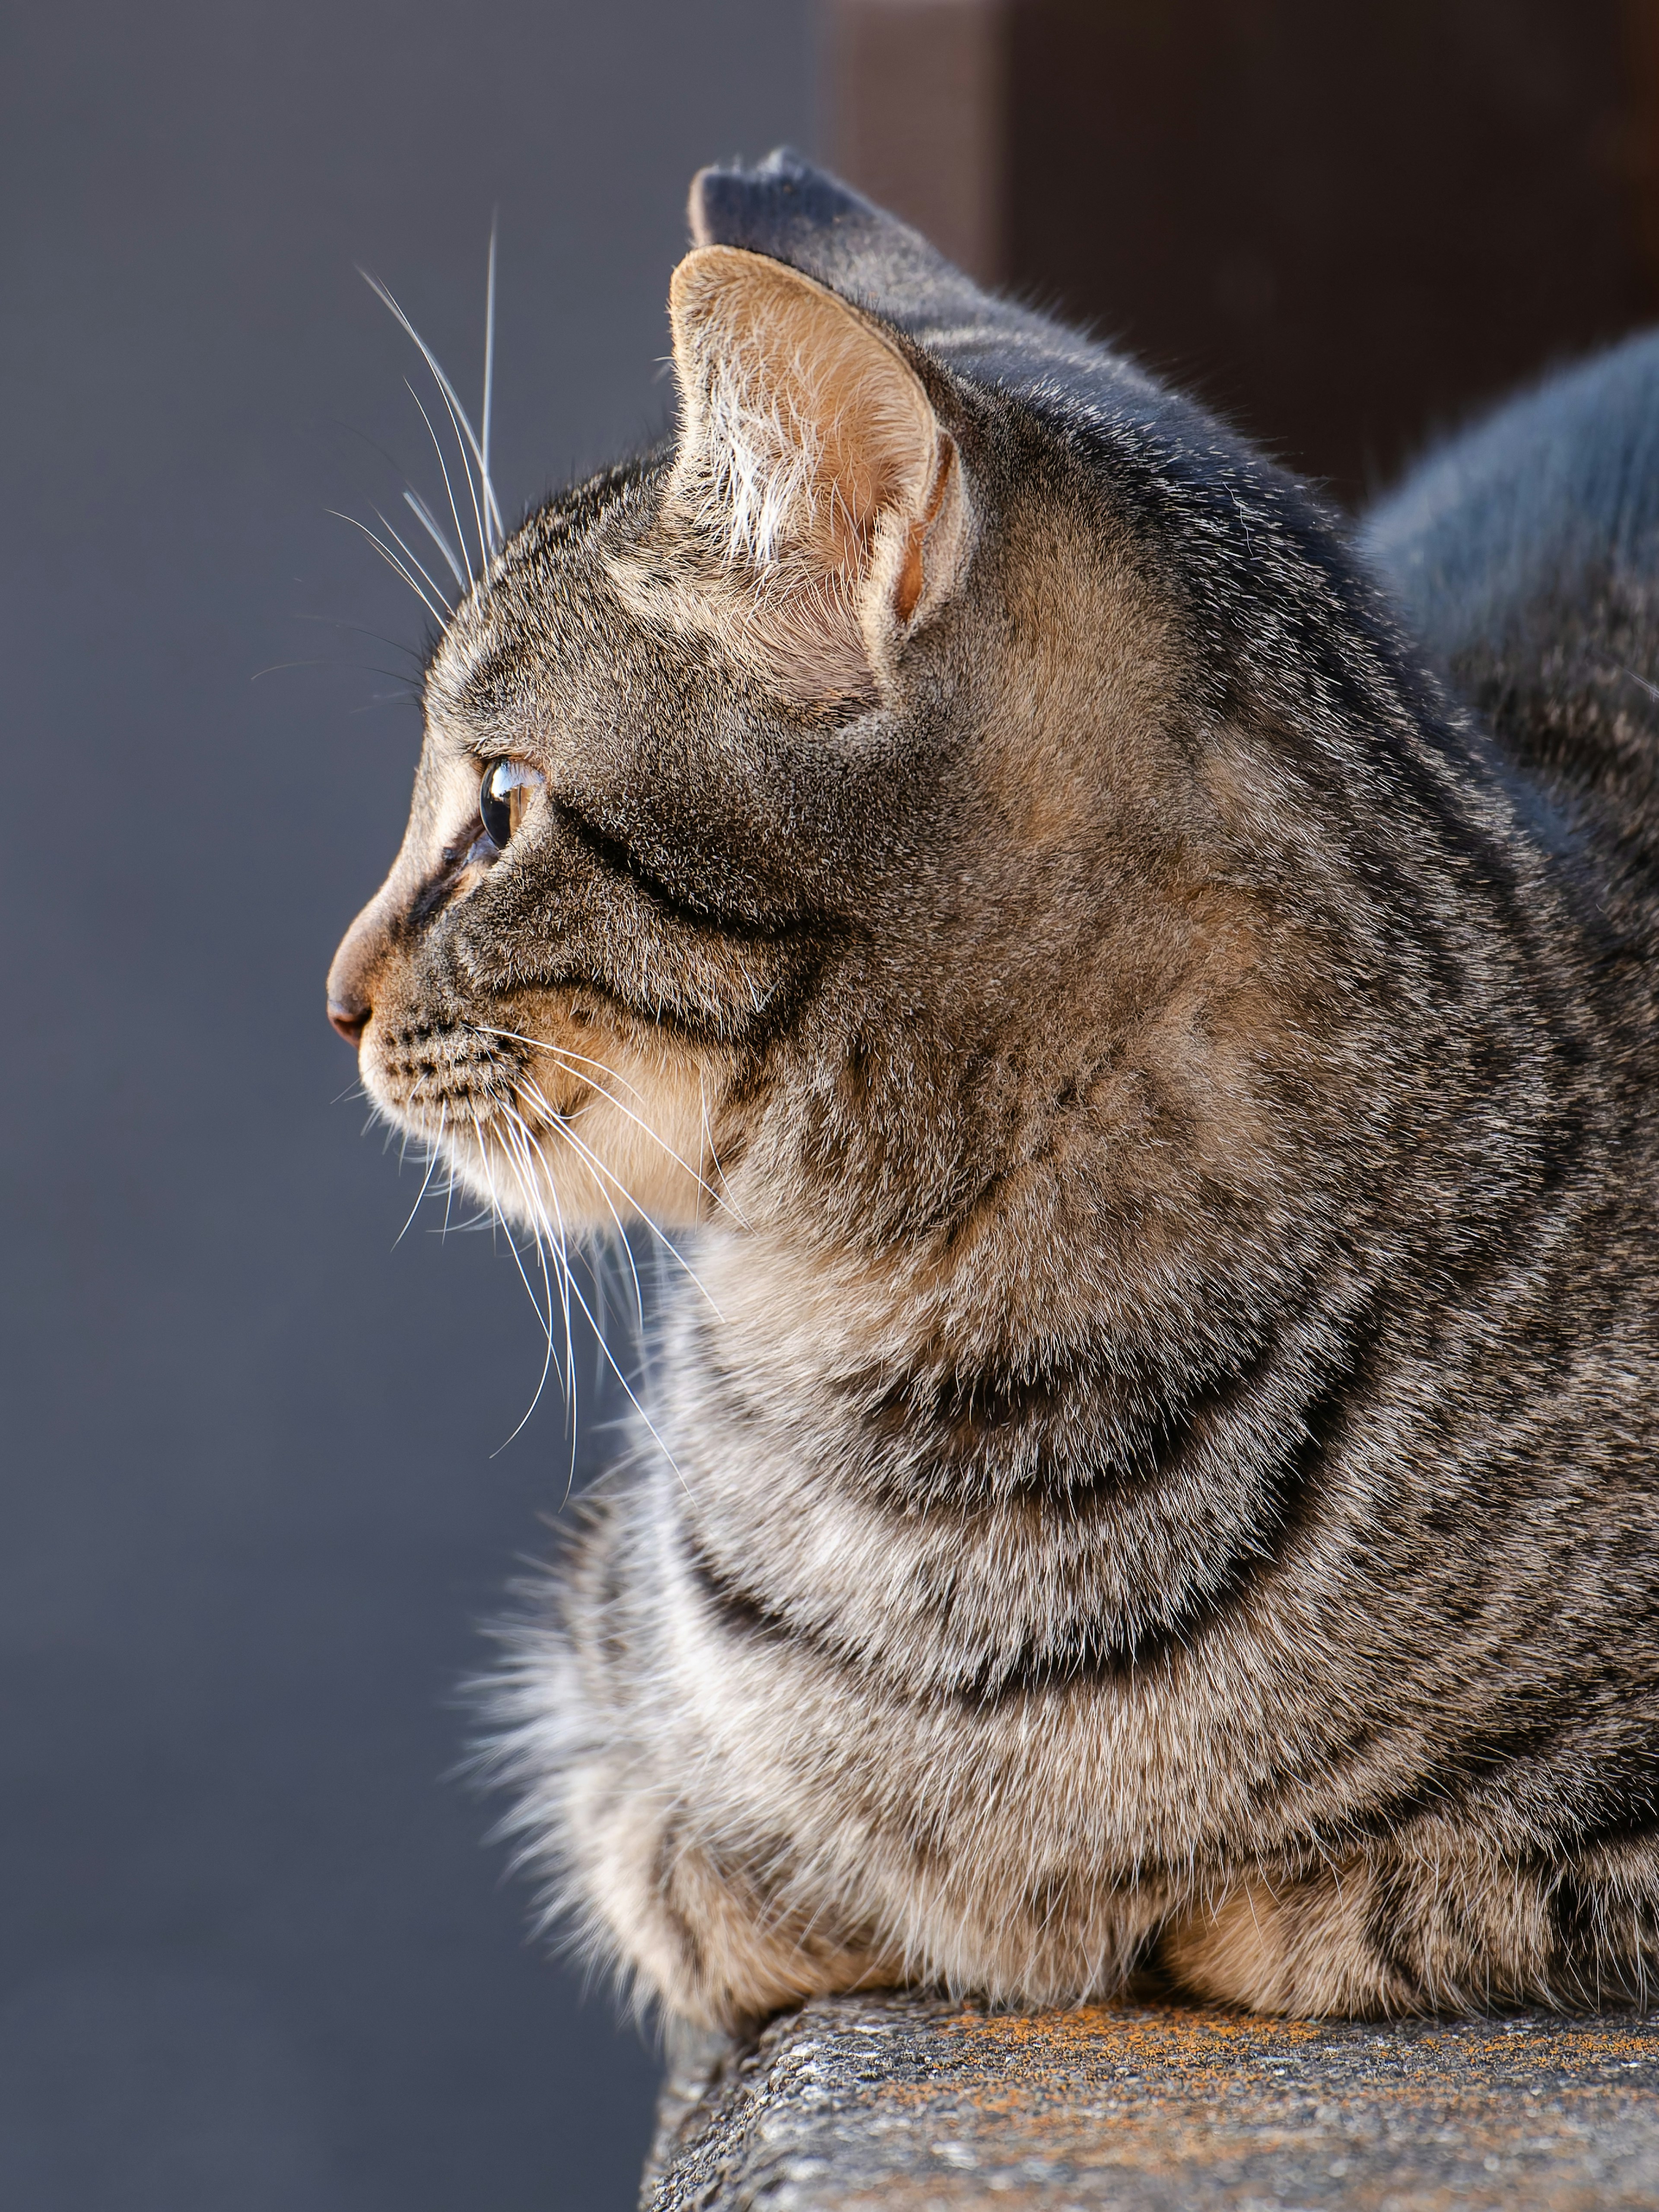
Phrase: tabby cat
[1158,1461]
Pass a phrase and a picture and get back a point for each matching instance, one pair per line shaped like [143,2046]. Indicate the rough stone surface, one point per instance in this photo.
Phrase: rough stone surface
[914,2104]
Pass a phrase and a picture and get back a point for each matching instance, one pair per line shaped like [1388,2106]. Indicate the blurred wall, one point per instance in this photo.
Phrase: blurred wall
[1344,225]
[253,1952]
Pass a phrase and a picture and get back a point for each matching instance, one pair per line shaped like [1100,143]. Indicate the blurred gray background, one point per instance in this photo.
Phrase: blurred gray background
[254,1951]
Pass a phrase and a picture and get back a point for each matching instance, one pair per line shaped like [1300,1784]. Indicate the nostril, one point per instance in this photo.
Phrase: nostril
[349,1018]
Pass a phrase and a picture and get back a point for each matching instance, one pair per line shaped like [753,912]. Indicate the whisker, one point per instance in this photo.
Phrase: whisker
[628,1387]
[392,562]
[521,1137]
[561,1123]
[547,1362]
[498,1218]
[347,667]
[432,1159]
[564,1052]
[489,361]
[423,514]
[460,534]
[472,489]
[568,1373]
[560,1052]
[408,555]
[661,1142]
[396,465]
[574,1292]
[600,1169]
[523,1142]
[408,696]
[444,386]
[449,1199]
[727,1199]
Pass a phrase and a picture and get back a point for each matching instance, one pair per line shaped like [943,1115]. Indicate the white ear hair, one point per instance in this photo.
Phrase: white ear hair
[810,449]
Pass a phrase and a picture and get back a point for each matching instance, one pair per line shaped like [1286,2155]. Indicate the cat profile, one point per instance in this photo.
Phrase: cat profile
[1158,1458]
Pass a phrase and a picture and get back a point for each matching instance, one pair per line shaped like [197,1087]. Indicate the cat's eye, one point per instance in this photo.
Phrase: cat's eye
[502,797]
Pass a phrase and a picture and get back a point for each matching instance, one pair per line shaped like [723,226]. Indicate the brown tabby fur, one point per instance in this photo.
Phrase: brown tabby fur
[1162,1457]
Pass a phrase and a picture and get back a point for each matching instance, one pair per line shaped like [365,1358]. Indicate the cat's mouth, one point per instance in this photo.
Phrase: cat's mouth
[427,1076]
[555,1141]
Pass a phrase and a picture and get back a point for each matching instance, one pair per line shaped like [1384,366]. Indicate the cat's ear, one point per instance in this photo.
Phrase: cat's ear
[809,448]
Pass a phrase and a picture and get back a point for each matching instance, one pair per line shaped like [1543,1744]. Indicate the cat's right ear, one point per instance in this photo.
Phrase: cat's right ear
[811,453]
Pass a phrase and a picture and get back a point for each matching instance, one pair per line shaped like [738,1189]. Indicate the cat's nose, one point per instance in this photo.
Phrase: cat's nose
[349,1018]
[351,977]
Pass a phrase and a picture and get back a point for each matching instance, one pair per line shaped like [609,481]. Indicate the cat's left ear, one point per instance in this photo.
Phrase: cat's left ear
[808,445]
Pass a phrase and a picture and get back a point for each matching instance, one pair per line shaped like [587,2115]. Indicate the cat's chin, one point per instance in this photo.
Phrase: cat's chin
[554,1156]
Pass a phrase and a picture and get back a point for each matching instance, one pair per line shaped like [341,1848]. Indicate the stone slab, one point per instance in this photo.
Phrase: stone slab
[918,2104]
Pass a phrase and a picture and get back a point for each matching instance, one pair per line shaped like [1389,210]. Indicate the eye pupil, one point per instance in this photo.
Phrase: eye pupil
[502,797]
[494,811]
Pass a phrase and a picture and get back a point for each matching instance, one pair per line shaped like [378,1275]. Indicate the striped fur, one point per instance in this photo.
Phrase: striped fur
[1159,1458]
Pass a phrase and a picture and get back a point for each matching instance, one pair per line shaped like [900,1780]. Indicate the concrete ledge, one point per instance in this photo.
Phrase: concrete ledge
[916,2104]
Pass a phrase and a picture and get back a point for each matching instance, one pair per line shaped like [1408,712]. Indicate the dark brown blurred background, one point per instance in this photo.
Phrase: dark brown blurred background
[1344,224]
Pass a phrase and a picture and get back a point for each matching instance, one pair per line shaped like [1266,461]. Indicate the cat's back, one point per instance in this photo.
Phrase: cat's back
[1525,555]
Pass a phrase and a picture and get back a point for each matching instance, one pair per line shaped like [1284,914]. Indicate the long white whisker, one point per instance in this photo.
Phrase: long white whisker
[489,368]
[464,437]
[449,1200]
[409,557]
[600,1169]
[523,1137]
[392,562]
[460,534]
[357,629]
[661,1142]
[521,1142]
[561,1123]
[575,1291]
[443,383]
[559,1051]
[472,489]
[499,1215]
[628,1389]
[564,1052]
[525,1142]
[423,514]
[567,1377]
[547,1361]
[433,1158]
[567,1286]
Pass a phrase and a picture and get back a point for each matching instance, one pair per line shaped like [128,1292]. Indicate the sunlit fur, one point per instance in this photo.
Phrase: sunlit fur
[1158,1456]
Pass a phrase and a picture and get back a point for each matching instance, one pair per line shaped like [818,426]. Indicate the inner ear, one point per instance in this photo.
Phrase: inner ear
[808,445]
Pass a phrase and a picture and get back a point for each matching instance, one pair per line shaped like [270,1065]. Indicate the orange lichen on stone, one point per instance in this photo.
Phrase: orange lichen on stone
[918,2105]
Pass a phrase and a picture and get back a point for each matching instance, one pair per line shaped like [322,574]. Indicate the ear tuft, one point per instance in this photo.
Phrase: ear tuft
[810,448]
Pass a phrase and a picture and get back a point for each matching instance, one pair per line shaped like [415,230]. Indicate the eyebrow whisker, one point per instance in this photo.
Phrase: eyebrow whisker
[439,615]
[406,553]
[463,425]
[423,514]
[437,447]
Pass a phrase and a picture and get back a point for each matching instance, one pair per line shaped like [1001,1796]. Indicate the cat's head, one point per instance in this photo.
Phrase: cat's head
[665,740]
[903,804]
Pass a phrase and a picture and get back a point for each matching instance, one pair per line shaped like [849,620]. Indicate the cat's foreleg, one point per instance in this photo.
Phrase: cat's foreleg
[1432,1924]
[714,1931]
[659,1862]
